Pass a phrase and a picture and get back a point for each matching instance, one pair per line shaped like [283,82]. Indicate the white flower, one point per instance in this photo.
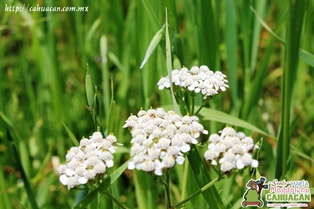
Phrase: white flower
[211,154]
[254,163]
[198,80]
[227,131]
[88,160]
[185,148]
[163,83]
[226,166]
[63,179]
[168,161]
[147,166]
[131,165]
[214,138]
[160,139]
[158,168]
[232,150]
[237,149]
[180,160]
[72,182]
[90,173]
[82,180]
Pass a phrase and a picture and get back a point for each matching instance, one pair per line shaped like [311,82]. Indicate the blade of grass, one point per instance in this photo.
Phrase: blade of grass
[103,186]
[173,22]
[105,75]
[71,135]
[4,197]
[264,24]
[151,15]
[169,67]
[257,83]
[231,47]
[303,54]
[89,88]
[246,40]
[145,190]
[215,115]
[127,55]
[307,57]
[208,35]
[153,45]
[294,30]
[260,7]
[111,113]
[27,186]
[202,177]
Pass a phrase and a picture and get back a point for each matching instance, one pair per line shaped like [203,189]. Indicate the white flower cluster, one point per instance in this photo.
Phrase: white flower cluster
[231,150]
[198,80]
[160,138]
[89,160]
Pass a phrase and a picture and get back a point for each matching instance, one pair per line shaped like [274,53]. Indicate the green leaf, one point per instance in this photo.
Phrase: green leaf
[103,186]
[90,89]
[4,198]
[115,60]
[303,54]
[307,57]
[231,49]
[71,135]
[294,31]
[111,112]
[169,67]
[153,45]
[19,165]
[151,15]
[202,177]
[264,24]
[96,112]
[105,74]
[218,116]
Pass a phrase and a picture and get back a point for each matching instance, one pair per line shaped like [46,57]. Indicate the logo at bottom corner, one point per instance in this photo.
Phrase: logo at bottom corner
[253,194]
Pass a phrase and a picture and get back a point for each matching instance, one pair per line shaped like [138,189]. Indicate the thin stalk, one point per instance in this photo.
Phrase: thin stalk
[182,99]
[200,108]
[98,200]
[198,192]
[193,103]
[167,190]
[185,179]
[106,192]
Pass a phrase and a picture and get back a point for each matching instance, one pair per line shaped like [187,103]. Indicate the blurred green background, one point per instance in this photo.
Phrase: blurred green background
[43,61]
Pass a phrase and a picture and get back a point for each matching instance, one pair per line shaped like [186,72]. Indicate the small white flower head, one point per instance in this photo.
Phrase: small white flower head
[231,150]
[88,161]
[163,83]
[160,139]
[198,79]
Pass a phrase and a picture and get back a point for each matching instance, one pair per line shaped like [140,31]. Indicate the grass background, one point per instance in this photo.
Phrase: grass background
[43,58]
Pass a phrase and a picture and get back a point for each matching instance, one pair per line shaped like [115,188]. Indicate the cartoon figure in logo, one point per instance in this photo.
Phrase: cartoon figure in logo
[252,196]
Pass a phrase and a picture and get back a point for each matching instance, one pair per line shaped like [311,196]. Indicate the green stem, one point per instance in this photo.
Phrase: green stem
[167,190]
[185,179]
[98,200]
[198,192]
[115,199]
[182,99]
[202,177]
[200,108]
[193,103]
